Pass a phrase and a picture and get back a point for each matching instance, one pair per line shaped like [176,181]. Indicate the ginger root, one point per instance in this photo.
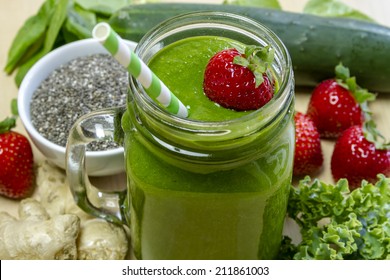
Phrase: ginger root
[54,227]
[98,239]
[37,236]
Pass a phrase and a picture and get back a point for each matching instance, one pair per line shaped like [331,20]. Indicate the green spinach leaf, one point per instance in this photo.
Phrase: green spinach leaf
[30,37]
[272,4]
[103,6]
[80,22]
[54,27]
[333,8]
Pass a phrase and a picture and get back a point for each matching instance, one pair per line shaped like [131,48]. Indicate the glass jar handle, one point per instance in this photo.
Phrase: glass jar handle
[92,127]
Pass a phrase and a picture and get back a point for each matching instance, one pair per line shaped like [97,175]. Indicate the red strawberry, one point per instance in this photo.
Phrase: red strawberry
[239,81]
[308,156]
[16,162]
[337,104]
[356,158]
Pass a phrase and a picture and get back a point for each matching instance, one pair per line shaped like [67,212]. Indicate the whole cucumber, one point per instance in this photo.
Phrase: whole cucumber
[316,44]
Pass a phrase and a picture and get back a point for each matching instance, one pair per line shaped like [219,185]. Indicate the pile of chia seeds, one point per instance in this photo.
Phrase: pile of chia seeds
[81,86]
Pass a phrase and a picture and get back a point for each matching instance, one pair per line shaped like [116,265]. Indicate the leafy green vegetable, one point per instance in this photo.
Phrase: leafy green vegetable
[10,122]
[333,8]
[57,22]
[54,27]
[338,224]
[103,6]
[29,37]
[271,4]
[80,22]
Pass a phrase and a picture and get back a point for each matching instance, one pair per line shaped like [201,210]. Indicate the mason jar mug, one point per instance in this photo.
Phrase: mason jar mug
[197,189]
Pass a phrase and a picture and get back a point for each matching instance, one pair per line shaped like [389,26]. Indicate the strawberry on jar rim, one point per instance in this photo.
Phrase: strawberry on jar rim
[239,81]
[337,104]
[16,161]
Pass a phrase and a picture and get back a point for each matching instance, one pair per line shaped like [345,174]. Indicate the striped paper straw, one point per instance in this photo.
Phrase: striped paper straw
[153,86]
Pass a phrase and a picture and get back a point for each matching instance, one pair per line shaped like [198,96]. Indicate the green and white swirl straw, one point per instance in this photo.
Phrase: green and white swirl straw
[153,86]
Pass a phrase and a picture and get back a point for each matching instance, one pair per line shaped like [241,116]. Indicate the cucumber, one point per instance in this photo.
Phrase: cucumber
[316,44]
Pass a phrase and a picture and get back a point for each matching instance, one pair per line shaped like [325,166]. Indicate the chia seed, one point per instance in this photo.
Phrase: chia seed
[74,89]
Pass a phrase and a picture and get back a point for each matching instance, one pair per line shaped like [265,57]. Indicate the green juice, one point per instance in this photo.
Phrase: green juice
[181,68]
[224,201]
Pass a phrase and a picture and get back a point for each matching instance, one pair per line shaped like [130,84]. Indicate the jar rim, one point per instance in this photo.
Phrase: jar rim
[265,114]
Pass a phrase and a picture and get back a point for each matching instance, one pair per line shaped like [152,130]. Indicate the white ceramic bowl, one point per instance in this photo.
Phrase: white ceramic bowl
[100,163]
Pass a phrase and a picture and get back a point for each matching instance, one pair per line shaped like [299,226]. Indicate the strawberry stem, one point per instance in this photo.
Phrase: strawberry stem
[362,96]
[257,59]
[373,135]
[10,122]
[345,80]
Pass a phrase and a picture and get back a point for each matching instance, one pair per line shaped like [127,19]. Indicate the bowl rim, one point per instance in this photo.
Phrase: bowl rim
[24,112]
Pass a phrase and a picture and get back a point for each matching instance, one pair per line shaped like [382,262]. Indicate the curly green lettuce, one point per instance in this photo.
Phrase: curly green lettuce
[338,224]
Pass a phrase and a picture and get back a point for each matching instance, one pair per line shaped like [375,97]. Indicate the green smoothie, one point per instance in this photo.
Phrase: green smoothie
[181,68]
[203,203]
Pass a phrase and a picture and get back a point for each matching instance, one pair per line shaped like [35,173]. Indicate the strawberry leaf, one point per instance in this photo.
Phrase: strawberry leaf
[10,122]
[362,96]
[7,124]
[345,80]
[259,78]
[373,135]
[351,83]
[249,50]
[257,59]
[342,72]
[239,60]
[370,131]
